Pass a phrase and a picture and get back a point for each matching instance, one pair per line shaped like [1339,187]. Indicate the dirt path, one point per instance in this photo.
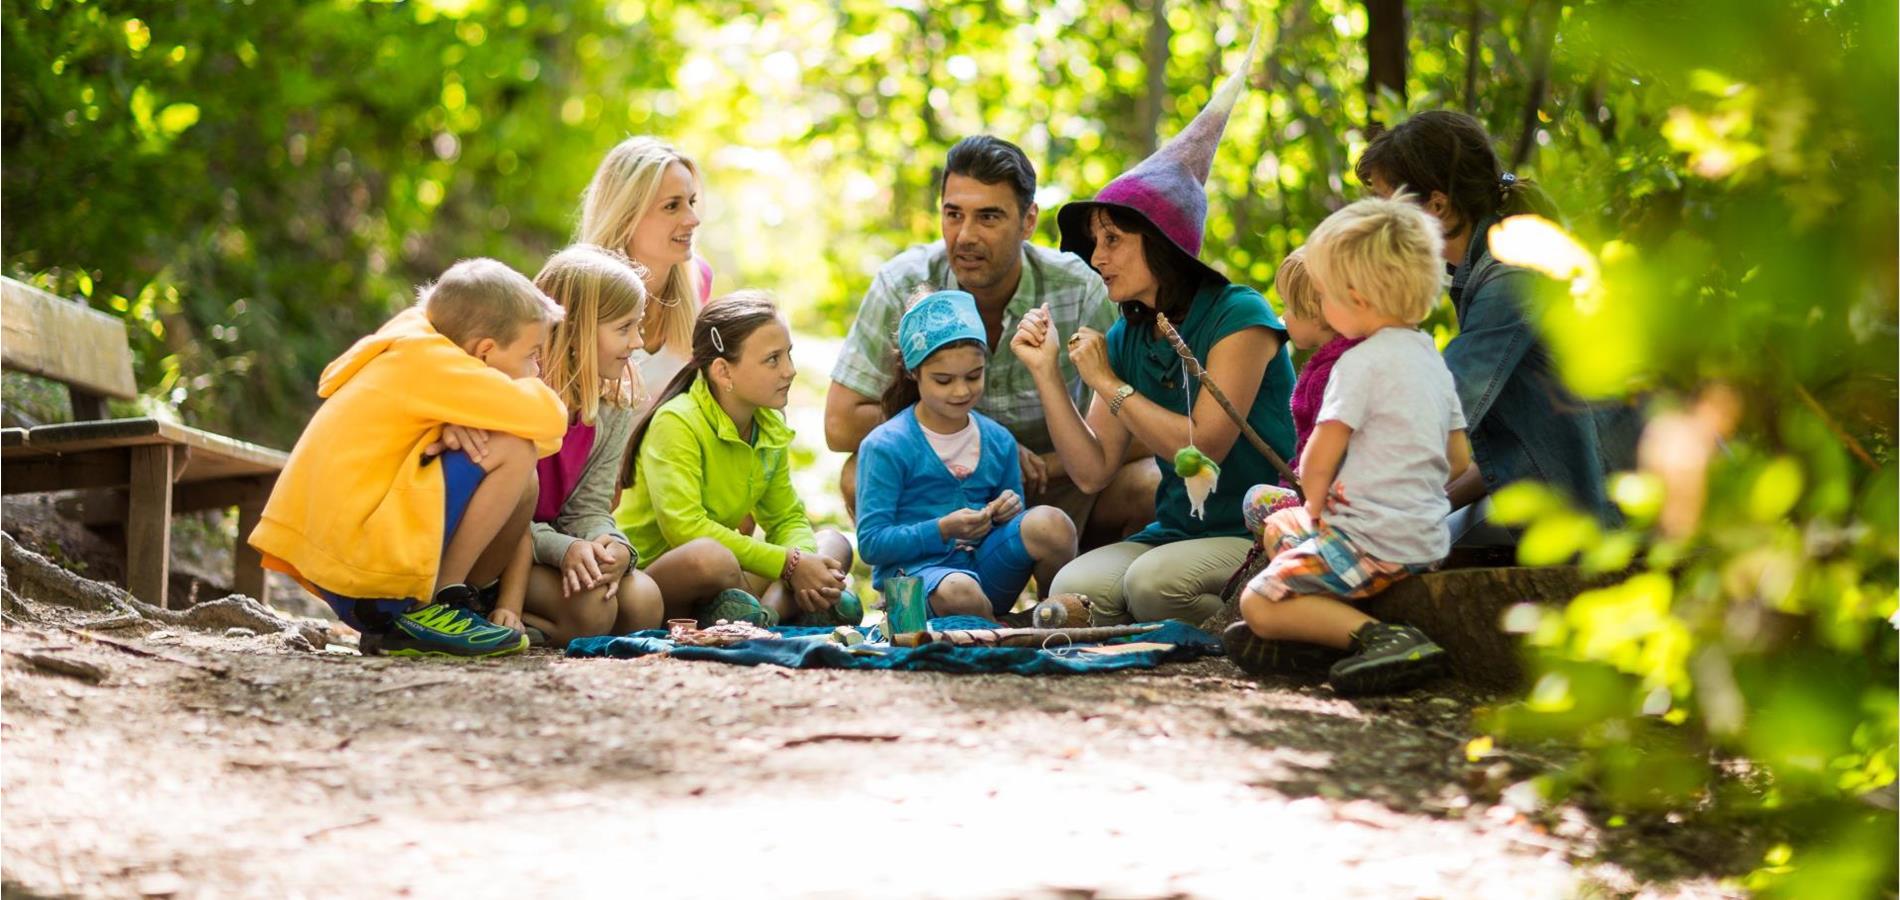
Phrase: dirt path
[233,766]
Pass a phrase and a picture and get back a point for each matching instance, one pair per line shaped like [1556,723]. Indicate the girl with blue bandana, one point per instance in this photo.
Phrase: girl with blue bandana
[940,486]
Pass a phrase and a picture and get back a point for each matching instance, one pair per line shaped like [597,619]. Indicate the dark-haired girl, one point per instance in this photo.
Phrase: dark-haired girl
[1142,233]
[940,489]
[1523,421]
[715,449]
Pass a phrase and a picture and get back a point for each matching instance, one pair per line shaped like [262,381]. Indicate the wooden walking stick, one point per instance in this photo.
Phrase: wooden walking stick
[1253,437]
[1019,637]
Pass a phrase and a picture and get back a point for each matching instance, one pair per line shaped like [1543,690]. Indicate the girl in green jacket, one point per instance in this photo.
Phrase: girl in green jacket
[715,449]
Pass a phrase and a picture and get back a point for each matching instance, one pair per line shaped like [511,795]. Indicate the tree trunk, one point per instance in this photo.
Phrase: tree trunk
[1606,124]
[1474,51]
[1156,98]
[1540,80]
[1385,48]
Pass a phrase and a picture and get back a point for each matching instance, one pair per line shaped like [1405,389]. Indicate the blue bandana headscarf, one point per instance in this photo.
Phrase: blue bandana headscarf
[938,319]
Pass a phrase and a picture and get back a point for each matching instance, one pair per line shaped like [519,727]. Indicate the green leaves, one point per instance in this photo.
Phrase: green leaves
[253,187]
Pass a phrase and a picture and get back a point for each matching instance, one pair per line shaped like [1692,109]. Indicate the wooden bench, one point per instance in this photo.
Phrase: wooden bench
[134,472]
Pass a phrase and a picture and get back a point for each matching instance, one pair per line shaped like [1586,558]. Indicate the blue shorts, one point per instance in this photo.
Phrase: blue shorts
[460,477]
[1001,564]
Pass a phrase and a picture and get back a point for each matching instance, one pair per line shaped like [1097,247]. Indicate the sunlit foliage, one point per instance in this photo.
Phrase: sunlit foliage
[252,185]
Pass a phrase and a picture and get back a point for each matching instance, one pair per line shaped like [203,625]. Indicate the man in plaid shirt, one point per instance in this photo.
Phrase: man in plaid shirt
[989,211]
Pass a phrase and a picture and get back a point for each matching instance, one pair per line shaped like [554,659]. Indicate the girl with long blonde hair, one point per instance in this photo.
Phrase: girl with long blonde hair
[586,579]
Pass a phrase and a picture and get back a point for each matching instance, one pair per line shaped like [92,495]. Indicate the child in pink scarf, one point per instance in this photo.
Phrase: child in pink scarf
[1308,330]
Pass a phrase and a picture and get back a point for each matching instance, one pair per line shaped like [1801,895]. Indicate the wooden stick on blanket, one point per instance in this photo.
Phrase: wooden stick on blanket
[1246,430]
[1019,637]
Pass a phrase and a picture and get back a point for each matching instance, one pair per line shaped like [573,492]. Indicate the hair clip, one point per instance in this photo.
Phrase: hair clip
[719,343]
[1507,179]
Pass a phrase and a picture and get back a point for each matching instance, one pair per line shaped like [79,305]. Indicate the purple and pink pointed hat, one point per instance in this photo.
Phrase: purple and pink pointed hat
[1170,187]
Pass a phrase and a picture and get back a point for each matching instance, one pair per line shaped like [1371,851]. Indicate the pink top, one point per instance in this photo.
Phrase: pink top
[960,452]
[561,473]
[705,278]
[1310,389]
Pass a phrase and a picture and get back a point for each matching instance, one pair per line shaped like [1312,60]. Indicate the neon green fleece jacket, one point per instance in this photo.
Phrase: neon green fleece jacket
[697,477]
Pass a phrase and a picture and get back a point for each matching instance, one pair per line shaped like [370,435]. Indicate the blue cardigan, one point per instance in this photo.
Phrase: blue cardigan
[904,488]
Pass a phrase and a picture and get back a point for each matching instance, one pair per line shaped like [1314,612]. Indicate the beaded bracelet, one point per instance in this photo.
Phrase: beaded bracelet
[792,556]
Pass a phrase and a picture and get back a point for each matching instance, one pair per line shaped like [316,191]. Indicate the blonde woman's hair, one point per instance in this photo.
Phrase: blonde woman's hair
[1390,251]
[1295,287]
[623,191]
[482,298]
[595,286]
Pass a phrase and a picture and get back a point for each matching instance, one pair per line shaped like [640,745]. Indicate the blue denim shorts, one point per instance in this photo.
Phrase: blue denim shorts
[1001,564]
[460,477]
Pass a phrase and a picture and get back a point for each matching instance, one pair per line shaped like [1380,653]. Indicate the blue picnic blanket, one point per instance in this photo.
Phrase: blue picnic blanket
[1189,643]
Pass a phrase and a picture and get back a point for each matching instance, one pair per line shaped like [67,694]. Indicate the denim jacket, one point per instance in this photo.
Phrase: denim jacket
[1523,422]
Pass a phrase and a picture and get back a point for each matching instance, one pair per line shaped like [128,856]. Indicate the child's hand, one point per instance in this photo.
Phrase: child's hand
[472,441]
[816,582]
[616,555]
[965,525]
[1005,507]
[1281,524]
[506,618]
[581,567]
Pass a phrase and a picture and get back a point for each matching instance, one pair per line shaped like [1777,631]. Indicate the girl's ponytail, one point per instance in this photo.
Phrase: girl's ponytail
[1522,196]
[903,390]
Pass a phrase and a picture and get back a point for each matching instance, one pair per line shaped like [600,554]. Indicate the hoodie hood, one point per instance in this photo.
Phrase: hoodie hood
[409,325]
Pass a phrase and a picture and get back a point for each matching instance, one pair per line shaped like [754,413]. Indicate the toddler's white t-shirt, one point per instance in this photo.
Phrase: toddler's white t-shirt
[1395,393]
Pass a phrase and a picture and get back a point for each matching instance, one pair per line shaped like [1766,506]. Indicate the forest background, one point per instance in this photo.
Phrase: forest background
[251,186]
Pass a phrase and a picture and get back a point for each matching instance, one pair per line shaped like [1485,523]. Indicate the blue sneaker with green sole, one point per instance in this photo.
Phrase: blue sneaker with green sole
[447,630]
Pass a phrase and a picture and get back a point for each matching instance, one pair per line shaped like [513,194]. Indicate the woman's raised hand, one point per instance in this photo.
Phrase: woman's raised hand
[1035,340]
[1088,349]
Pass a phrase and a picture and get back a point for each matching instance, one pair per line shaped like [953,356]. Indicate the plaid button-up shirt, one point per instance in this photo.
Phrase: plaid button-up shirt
[1076,297]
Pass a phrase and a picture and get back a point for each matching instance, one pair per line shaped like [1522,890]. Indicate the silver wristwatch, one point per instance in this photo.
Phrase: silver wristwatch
[1121,394]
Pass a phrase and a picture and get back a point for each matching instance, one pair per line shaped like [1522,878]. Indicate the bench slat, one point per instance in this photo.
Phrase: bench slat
[213,456]
[65,341]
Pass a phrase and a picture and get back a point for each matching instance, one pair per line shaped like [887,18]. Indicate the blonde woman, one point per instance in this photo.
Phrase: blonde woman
[644,202]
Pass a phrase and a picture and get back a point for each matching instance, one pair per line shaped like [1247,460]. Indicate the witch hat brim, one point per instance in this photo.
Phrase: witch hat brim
[1072,222]
[1169,188]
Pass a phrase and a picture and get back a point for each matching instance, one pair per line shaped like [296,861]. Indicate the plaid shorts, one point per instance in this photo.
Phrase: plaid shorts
[1312,558]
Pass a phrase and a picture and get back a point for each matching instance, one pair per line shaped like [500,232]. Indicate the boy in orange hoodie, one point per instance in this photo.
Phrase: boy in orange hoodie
[373,517]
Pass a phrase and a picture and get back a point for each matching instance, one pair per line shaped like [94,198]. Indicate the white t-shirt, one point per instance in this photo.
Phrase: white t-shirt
[656,369]
[1396,395]
[960,452]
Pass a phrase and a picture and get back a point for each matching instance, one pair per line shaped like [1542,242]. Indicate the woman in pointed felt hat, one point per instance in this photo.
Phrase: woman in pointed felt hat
[1143,234]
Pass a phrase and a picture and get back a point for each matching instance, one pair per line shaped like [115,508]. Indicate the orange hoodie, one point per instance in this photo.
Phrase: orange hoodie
[356,510]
